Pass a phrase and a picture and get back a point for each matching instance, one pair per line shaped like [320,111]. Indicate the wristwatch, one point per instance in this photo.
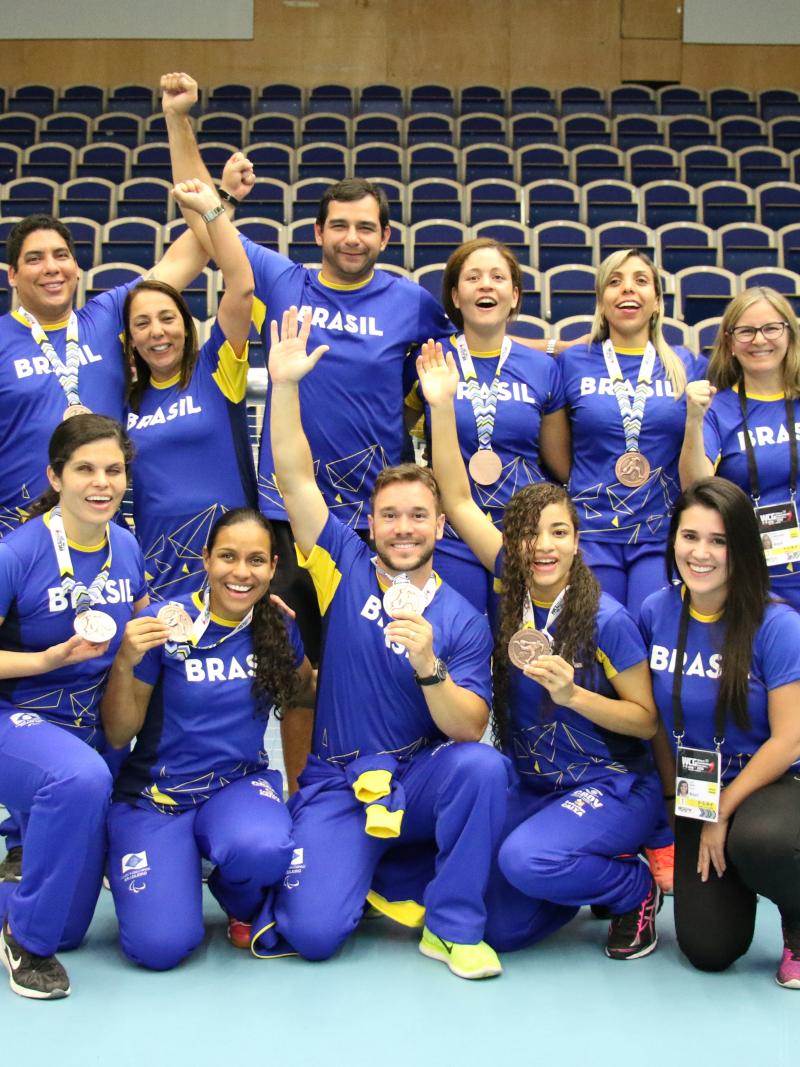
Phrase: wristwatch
[225,195]
[439,674]
[213,213]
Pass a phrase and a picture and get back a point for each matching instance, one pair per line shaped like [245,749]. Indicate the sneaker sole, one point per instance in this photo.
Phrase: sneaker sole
[793,983]
[31,994]
[442,957]
[634,955]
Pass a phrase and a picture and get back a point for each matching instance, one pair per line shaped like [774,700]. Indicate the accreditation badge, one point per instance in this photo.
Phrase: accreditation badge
[780,532]
[698,783]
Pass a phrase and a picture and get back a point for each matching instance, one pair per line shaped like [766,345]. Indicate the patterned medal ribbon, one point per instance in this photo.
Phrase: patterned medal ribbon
[555,610]
[65,372]
[183,650]
[483,410]
[402,594]
[632,413]
[81,597]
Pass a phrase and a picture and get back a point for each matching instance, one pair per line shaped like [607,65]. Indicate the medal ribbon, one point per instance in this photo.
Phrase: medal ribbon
[752,467]
[555,610]
[632,413]
[428,590]
[66,372]
[184,649]
[77,594]
[483,410]
[678,725]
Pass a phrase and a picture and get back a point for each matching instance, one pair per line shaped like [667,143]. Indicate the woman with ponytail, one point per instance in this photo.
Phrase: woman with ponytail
[194,682]
[572,708]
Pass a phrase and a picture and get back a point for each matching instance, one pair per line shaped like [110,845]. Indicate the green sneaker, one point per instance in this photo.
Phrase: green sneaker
[465,961]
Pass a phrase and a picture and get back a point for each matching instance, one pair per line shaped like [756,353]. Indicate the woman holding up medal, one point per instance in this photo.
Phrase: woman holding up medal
[742,423]
[194,682]
[512,425]
[187,415]
[732,716]
[70,580]
[572,710]
[624,392]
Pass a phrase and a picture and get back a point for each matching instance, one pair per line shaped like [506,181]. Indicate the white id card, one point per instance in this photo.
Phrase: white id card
[780,533]
[698,784]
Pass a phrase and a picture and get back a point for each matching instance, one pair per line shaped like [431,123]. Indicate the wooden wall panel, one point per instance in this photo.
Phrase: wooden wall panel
[651,60]
[572,42]
[652,19]
[751,66]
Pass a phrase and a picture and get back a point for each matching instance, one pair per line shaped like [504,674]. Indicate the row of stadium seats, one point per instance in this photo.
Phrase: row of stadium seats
[690,296]
[715,204]
[106,159]
[571,131]
[247,100]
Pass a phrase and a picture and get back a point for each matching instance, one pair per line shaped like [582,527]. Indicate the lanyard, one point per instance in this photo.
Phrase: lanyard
[632,413]
[427,592]
[555,610]
[755,485]
[65,372]
[183,649]
[483,410]
[76,593]
[678,725]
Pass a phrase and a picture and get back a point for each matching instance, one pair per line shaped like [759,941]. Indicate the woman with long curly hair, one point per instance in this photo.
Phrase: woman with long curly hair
[572,709]
[194,682]
[731,713]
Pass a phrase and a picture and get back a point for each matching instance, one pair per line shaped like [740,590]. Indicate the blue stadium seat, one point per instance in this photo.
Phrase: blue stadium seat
[512,234]
[51,159]
[573,327]
[86,99]
[430,278]
[331,98]
[432,241]
[86,238]
[568,291]
[10,162]
[272,160]
[280,97]
[703,292]
[323,159]
[631,131]
[706,332]
[613,236]
[756,166]
[489,99]
[591,163]
[389,99]
[147,197]
[631,99]
[5,290]
[585,128]
[433,160]
[738,131]
[784,133]
[231,97]
[201,294]
[431,98]
[532,128]
[609,201]
[378,160]
[224,126]
[532,98]
[152,161]
[275,126]
[69,127]
[396,195]
[39,100]
[119,127]
[106,276]
[685,244]
[304,197]
[728,100]
[530,327]
[269,199]
[155,129]
[540,161]
[91,198]
[778,204]
[30,196]
[425,127]
[435,198]
[681,100]
[784,281]
[677,333]
[480,127]
[396,252]
[131,240]
[789,243]
[724,202]
[491,198]
[215,154]
[652,163]
[550,200]
[104,160]
[746,245]
[686,131]
[582,99]
[301,241]
[264,232]
[708,163]
[377,126]
[558,243]
[531,292]
[487,161]
[134,99]
[18,128]
[665,201]
[778,103]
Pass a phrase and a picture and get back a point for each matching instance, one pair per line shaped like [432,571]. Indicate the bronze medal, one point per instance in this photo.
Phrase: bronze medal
[76,409]
[403,596]
[527,645]
[95,626]
[632,469]
[176,620]
[485,466]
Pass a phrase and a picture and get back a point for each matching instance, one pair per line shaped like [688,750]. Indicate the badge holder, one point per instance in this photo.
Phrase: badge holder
[698,782]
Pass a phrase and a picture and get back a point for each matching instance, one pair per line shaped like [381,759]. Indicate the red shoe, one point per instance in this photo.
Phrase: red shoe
[662,866]
[239,934]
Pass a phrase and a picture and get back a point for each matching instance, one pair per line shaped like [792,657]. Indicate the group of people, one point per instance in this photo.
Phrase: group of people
[600,563]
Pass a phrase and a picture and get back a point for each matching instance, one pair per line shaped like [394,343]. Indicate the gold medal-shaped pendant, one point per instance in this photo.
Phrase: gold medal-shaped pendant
[176,620]
[75,409]
[632,469]
[485,466]
[95,626]
[527,645]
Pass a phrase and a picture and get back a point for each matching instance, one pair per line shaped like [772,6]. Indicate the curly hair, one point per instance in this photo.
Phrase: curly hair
[275,678]
[575,638]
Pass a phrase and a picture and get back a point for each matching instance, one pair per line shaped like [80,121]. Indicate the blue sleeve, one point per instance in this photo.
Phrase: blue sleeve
[432,321]
[712,439]
[11,578]
[620,641]
[149,670]
[646,619]
[469,663]
[556,396]
[776,649]
[110,304]
[267,266]
[296,641]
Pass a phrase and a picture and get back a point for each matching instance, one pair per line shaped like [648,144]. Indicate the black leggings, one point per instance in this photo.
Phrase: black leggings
[715,920]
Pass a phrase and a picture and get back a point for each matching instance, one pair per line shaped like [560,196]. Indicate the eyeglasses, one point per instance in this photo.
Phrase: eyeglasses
[770,331]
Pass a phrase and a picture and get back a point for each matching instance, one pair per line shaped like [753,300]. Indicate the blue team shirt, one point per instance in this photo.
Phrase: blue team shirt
[367,699]
[204,727]
[38,616]
[608,510]
[32,403]
[193,462]
[352,403]
[723,438]
[530,387]
[776,662]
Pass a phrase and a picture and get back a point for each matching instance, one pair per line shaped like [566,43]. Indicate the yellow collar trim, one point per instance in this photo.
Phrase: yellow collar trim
[344,288]
[629,351]
[759,396]
[696,614]
[384,585]
[74,544]
[542,603]
[197,600]
[166,384]
[45,325]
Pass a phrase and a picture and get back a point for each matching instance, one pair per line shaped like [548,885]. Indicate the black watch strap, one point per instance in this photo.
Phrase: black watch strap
[229,197]
[439,674]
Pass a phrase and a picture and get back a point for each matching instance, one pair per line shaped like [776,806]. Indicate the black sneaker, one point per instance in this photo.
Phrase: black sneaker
[11,867]
[36,977]
[633,934]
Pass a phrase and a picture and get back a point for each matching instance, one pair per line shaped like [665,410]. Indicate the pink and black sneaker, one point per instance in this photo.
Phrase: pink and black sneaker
[633,934]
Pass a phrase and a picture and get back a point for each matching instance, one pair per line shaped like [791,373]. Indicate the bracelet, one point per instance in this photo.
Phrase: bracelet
[551,347]
[228,197]
[213,213]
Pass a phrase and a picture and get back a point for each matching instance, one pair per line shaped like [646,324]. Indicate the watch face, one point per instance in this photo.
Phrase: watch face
[441,670]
